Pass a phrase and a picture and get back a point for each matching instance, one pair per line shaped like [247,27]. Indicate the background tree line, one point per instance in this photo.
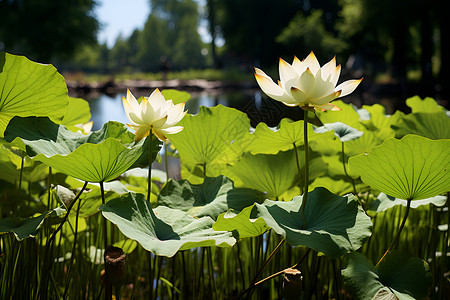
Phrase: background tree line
[398,37]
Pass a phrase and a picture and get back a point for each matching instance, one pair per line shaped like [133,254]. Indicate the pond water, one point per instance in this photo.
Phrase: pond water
[255,104]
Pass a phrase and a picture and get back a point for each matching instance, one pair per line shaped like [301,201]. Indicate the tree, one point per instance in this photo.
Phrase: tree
[170,36]
[250,27]
[45,30]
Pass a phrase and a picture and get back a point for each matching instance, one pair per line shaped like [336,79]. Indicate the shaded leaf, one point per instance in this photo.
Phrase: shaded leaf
[163,231]
[211,198]
[26,227]
[332,224]
[407,277]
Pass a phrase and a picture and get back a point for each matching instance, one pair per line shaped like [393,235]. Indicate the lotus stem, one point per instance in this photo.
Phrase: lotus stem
[305,136]
[254,283]
[67,213]
[105,230]
[298,164]
[166,163]
[346,174]
[150,160]
[49,187]
[408,205]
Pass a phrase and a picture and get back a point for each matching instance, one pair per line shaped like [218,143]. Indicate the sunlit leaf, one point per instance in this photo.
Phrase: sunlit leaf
[91,199]
[379,123]
[77,112]
[29,89]
[266,140]
[162,230]
[242,223]
[332,224]
[209,140]
[406,277]
[412,168]
[348,114]
[99,156]
[176,96]
[211,198]
[274,174]
[427,105]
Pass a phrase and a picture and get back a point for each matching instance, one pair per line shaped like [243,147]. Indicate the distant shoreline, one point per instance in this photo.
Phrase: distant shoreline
[83,89]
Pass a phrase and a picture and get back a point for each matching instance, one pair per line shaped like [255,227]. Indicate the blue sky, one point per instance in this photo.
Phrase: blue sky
[122,17]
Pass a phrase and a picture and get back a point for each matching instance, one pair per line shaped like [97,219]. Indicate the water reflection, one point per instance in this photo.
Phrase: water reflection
[256,105]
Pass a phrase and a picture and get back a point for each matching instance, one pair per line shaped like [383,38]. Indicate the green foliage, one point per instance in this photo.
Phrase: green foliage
[207,150]
[303,30]
[412,168]
[163,231]
[331,224]
[211,198]
[46,29]
[30,89]
[218,233]
[388,280]
[99,156]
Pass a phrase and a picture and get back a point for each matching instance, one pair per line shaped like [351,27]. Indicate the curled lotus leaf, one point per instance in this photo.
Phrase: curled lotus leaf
[331,224]
[389,278]
[343,131]
[163,231]
[99,156]
[211,198]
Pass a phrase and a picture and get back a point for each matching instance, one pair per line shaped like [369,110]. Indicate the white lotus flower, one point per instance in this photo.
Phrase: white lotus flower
[306,84]
[154,114]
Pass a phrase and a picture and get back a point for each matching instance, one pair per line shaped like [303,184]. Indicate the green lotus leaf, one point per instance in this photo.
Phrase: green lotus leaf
[26,227]
[176,96]
[412,168]
[266,140]
[384,202]
[91,200]
[162,230]
[362,145]
[406,277]
[379,123]
[344,132]
[211,140]
[348,112]
[211,198]
[427,105]
[339,185]
[431,125]
[428,119]
[332,224]
[77,112]
[99,156]
[29,89]
[242,223]
[274,174]
[9,164]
